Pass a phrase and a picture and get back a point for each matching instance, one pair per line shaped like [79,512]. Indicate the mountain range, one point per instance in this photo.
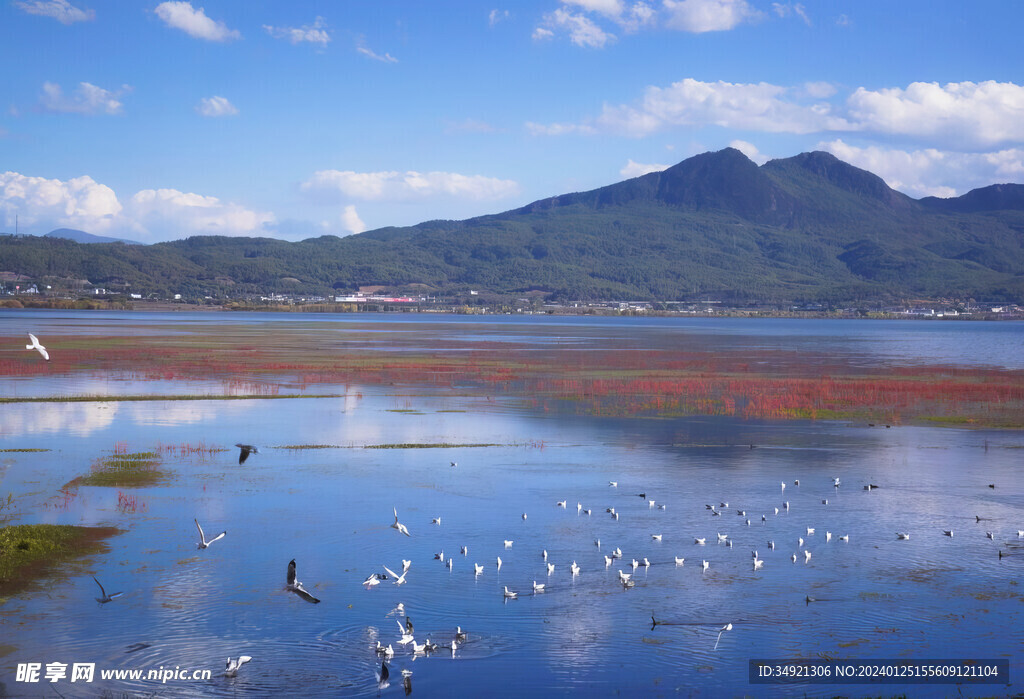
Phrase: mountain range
[810,228]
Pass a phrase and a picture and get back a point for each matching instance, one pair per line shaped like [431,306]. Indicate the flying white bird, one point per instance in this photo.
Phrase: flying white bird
[464,550]
[406,565]
[807,556]
[436,520]
[398,579]
[499,562]
[203,543]
[793,558]
[374,579]
[231,669]
[478,569]
[105,597]
[727,627]
[398,525]
[722,537]
[699,542]
[295,586]
[524,515]
[613,484]
[844,537]
[810,530]
[36,346]
[902,535]
[544,554]
[656,537]
[561,503]
[508,543]
[989,535]
[948,532]
[406,634]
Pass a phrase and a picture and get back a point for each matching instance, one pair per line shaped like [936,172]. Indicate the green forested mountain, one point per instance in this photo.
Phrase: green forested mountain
[806,228]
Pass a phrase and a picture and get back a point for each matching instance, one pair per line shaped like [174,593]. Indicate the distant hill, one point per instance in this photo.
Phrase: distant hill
[809,228]
[83,237]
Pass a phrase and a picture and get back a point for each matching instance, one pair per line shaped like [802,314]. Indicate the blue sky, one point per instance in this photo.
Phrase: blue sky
[160,120]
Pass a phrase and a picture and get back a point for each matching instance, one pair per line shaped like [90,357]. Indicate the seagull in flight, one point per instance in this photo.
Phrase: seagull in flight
[499,562]
[508,543]
[845,537]
[574,568]
[382,676]
[231,670]
[478,569]
[613,484]
[106,598]
[245,450]
[399,579]
[561,503]
[203,543]
[398,525]
[807,556]
[700,542]
[656,537]
[406,565]
[406,633]
[374,579]
[295,586]
[902,535]
[727,627]
[436,520]
[948,532]
[36,346]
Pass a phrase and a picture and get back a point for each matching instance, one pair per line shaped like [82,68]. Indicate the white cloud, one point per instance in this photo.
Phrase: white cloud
[700,16]
[582,30]
[758,107]
[964,114]
[195,23]
[315,33]
[61,10]
[497,16]
[169,210]
[787,9]
[394,186]
[610,8]
[42,205]
[635,169]
[749,150]
[86,99]
[351,221]
[216,107]
[820,90]
[535,129]
[929,171]
[370,53]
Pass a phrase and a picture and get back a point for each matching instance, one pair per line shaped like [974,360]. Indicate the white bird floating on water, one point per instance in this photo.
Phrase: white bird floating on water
[607,561]
[203,543]
[464,550]
[295,586]
[509,594]
[615,515]
[776,510]
[398,579]
[538,588]
[617,553]
[579,508]
[38,347]
[771,545]
[499,562]
[650,503]
[436,520]
[825,501]
[439,556]
[478,569]
[845,537]
[793,558]
[661,507]
[574,568]
[551,567]
[800,542]
[679,560]
[727,627]
[758,563]
[902,535]
[597,543]
[244,451]
[783,485]
[460,635]
[624,577]
[785,505]
[544,554]
[828,537]
[231,669]
[705,565]
[810,530]
[524,515]
[449,563]
[636,564]
[105,597]
[647,563]
[560,503]
[398,525]
[508,543]
[807,556]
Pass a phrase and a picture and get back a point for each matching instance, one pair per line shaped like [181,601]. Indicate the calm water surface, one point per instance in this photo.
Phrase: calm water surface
[330,509]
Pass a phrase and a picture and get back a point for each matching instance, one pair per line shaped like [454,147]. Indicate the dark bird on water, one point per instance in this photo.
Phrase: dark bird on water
[246,449]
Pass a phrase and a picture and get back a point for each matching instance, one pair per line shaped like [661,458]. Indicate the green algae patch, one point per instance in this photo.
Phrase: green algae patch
[29,551]
[124,470]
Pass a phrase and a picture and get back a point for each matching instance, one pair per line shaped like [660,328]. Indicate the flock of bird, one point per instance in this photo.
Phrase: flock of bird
[615,556]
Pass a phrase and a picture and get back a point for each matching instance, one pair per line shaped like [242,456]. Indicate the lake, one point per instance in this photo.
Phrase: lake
[331,470]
